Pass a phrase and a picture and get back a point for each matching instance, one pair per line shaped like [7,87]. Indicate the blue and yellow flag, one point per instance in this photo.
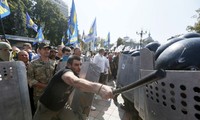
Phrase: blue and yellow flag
[73,27]
[4,9]
[107,41]
[39,37]
[92,33]
[30,23]
[93,29]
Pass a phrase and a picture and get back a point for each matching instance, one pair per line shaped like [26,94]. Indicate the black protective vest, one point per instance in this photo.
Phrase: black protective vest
[57,92]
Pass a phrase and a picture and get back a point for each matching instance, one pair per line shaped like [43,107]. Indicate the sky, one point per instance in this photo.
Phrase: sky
[162,18]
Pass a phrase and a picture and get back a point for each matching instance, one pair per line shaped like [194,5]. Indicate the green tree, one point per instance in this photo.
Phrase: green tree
[20,23]
[42,12]
[15,23]
[9,21]
[48,16]
[196,26]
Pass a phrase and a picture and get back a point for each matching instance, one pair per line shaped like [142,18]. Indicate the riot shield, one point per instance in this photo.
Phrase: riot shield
[14,100]
[61,65]
[147,63]
[82,101]
[176,97]
[128,72]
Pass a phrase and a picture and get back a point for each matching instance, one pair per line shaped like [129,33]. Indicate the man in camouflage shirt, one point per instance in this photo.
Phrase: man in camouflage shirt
[40,71]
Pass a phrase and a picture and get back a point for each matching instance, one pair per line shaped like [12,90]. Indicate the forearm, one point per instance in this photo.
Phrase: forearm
[103,90]
[87,86]
[31,80]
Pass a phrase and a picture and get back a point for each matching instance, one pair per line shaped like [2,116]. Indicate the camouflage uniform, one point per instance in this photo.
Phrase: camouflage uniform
[40,71]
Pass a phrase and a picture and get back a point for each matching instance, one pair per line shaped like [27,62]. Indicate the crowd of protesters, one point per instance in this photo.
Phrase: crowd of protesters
[45,61]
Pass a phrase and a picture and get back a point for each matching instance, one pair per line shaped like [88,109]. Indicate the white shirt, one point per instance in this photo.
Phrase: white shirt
[107,65]
[99,61]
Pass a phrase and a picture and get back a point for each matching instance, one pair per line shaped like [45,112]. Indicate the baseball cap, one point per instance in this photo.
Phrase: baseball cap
[27,44]
[54,49]
[44,45]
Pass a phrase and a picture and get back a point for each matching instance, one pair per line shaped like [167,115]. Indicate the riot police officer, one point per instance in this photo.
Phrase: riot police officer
[5,52]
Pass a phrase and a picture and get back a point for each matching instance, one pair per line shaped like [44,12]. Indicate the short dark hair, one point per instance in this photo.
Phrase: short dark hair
[44,45]
[105,53]
[76,48]
[66,49]
[101,50]
[72,58]
[71,47]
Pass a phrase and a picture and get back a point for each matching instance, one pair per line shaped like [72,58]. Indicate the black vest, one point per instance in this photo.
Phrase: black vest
[57,92]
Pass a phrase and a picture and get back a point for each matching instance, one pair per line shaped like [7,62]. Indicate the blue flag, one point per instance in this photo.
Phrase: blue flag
[30,23]
[39,37]
[93,29]
[107,41]
[4,9]
[92,33]
[72,31]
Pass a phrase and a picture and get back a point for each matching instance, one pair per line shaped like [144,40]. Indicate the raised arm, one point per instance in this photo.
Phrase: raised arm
[103,90]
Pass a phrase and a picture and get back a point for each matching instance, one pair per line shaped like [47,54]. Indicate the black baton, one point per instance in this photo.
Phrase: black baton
[155,75]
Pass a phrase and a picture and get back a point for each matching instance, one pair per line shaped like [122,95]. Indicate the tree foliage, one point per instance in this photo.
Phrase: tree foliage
[43,13]
[13,24]
[196,26]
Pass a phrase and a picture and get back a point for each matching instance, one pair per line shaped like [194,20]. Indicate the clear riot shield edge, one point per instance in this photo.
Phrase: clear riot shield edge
[14,100]
[82,101]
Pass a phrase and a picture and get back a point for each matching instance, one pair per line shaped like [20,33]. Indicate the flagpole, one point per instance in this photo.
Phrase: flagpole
[4,36]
